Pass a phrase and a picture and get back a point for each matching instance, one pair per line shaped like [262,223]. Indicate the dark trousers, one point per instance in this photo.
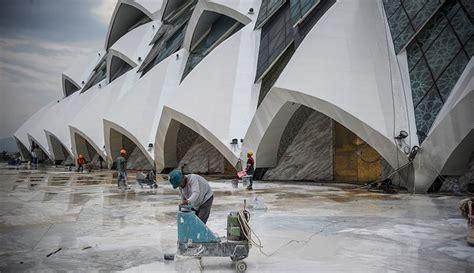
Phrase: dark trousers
[204,210]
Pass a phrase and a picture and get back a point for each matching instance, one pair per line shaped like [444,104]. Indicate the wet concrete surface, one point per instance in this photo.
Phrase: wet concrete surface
[55,220]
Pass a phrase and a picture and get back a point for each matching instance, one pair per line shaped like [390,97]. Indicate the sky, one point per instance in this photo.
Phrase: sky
[39,39]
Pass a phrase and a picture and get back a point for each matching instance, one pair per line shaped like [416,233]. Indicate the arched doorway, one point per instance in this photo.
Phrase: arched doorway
[136,159]
[310,146]
[186,149]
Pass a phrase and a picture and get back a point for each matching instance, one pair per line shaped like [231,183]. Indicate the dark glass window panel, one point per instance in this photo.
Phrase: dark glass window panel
[442,51]
[169,47]
[403,38]
[412,7]
[99,74]
[276,35]
[469,6]
[173,10]
[220,28]
[299,8]
[126,19]
[305,26]
[421,81]
[168,39]
[271,77]
[413,54]
[119,68]
[450,8]
[391,6]
[267,9]
[462,25]
[425,13]
[431,30]
[70,88]
[427,110]
[451,75]
[398,22]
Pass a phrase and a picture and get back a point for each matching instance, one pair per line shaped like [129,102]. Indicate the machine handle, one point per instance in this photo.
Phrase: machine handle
[185,208]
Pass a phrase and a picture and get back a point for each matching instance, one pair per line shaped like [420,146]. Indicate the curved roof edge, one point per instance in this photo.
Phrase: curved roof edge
[46,151]
[116,54]
[131,3]
[112,125]
[48,136]
[169,114]
[69,79]
[73,130]
[214,7]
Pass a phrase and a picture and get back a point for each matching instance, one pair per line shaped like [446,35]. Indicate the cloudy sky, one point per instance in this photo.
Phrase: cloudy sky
[38,40]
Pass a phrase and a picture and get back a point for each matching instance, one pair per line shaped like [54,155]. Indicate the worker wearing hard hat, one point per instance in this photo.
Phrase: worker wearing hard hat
[122,170]
[249,169]
[195,191]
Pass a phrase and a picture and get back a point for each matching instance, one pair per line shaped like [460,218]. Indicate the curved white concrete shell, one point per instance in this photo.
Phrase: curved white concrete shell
[177,77]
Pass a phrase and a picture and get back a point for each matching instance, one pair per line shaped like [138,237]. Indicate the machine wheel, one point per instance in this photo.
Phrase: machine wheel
[240,266]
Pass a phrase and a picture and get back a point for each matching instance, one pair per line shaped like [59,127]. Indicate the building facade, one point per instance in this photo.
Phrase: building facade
[320,90]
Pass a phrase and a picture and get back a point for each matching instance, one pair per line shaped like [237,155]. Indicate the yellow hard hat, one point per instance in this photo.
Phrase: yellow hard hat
[250,152]
[123,152]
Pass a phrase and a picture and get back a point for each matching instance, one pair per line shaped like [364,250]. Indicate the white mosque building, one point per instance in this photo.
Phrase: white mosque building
[320,90]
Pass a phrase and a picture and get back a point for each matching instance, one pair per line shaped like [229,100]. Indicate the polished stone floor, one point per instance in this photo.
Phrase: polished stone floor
[54,220]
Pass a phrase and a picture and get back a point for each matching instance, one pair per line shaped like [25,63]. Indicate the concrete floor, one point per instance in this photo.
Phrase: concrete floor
[304,228]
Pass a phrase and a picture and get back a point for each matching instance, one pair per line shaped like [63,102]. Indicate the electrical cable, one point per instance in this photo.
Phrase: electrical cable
[244,217]
[412,155]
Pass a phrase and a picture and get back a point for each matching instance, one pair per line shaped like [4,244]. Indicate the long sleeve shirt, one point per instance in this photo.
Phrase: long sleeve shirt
[197,191]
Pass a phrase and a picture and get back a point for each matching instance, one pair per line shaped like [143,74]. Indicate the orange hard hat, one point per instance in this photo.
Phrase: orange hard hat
[123,152]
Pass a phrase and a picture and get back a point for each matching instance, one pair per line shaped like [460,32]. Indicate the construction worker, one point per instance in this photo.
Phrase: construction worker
[81,161]
[250,168]
[195,191]
[121,170]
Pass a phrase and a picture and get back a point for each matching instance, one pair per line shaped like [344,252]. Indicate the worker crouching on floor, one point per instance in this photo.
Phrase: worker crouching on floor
[195,191]
[122,170]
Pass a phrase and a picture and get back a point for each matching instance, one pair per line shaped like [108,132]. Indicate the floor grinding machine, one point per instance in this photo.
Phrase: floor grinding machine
[197,240]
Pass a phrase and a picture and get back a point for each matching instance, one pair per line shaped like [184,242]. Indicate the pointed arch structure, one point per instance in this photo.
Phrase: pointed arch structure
[166,139]
[118,64]
[198,24]
[45,152]
[80,141]
[57,149]
[209,26]
[278,107]
[113,144]
[69,85]
[24,151]
[127,15]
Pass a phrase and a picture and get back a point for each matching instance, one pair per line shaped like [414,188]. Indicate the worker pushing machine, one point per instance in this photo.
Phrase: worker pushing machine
[122,170]
[195,191]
